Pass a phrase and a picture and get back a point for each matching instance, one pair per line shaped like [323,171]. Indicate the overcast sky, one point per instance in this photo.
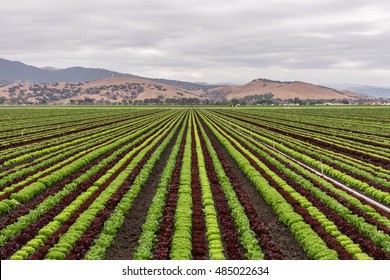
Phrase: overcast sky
[323,41]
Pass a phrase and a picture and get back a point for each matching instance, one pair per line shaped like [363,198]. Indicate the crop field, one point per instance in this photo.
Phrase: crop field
[194,183]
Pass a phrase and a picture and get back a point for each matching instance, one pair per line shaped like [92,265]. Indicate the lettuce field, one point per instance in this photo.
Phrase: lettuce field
[195,183]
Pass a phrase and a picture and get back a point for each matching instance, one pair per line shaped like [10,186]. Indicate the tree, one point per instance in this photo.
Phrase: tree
[235,101]
[138,102]
[224,101]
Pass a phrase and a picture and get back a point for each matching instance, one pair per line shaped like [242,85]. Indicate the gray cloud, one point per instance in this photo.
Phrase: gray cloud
[323,41]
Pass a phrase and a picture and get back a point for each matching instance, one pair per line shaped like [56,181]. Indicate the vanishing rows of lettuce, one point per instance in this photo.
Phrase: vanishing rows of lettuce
[361,228]
[355,153]
[69,177]
[75,176]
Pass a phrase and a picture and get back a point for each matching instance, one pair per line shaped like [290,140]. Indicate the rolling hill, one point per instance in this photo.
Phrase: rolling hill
[23,83]
[104,91]
[282,90]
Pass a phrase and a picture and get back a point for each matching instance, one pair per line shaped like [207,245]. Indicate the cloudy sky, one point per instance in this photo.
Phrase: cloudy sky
[323,41]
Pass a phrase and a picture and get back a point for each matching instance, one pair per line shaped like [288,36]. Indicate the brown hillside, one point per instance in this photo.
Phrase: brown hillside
[282,90]
[151,89]
[113,89]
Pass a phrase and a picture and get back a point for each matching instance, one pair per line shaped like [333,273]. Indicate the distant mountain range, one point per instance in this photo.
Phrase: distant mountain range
[16,71]
[365,90]
[31,84]
[371,91]
[11,71]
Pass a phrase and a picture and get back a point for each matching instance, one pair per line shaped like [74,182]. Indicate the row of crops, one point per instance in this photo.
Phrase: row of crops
[194,183]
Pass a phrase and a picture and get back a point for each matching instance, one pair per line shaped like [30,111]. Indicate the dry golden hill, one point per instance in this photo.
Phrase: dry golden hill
[107,90]
[282,90]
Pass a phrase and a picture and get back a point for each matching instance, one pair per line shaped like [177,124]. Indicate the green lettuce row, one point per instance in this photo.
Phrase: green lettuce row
[313,245]
[212,228]
[352,145]
[91,150]
[49,229]
[181,246]
[68,128]
[12,174]
[68,160]
[246,235]
[35,188]
[328,225]
[12,152]
[293,143]
[66,148]
[113,224]
[56,141]
[61,146]
[340,159]
[67,241]
[351,164]
[38,174]
[348,180]
[148,237]
[352,200]
[33,215]
[38,123]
